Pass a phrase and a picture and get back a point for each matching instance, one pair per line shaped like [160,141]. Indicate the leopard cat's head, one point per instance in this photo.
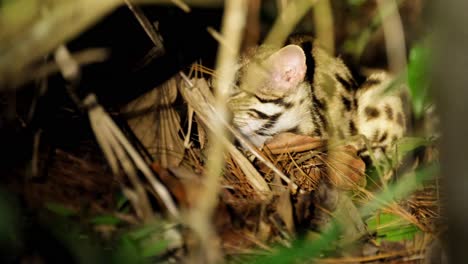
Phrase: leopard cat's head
[273,95]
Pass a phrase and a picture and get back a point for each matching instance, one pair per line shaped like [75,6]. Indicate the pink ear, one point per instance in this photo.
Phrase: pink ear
[286,69]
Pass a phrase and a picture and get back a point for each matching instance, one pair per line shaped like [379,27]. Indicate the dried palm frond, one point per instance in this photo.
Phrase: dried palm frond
[157,124]
[121,155]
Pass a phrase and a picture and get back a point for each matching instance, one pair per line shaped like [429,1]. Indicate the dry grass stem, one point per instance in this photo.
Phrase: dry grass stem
[69,68]
[145,24]
[223,41]
[394,35]
[158,125]
[83,57]
[182,5]
[323,18]
[144,168]
[288,19]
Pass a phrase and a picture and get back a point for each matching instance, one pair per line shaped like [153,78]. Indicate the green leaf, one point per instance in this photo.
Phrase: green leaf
[60,209]
[145,231]
[418,78]
[105,220]
[154,248]
[391,227]
[408,144]
[121,201]
[127,252]
[404,187]
[356,2]
[302,249]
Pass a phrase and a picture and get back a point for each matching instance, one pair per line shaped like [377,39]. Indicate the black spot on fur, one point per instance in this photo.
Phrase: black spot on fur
[318,103]
[269,124]
[260,114]
[278,101]
[371,112]
[375,136]
[370,82]
[237,82]
[272,120]
[287,105]
[399,119]
[323,120]
[383,137]
[318,117]
[349,84]
[317,123]
[383,148]
[352,128]
[294,130]
[389,112]
[346,103]
[317,131]
[263,133]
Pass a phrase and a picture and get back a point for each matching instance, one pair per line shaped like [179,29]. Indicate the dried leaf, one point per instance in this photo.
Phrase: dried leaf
[174,186]
[345,168]
[290,142]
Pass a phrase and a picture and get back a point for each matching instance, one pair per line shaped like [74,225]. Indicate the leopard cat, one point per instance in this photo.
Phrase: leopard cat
[300,88]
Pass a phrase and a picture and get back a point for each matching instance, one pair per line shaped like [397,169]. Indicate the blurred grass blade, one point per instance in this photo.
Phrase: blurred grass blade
[302,249]
[407,184]
[288,19]
[105,220]
[60,209]
[407,144]
[323,19]
[391,227]
[418,78]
